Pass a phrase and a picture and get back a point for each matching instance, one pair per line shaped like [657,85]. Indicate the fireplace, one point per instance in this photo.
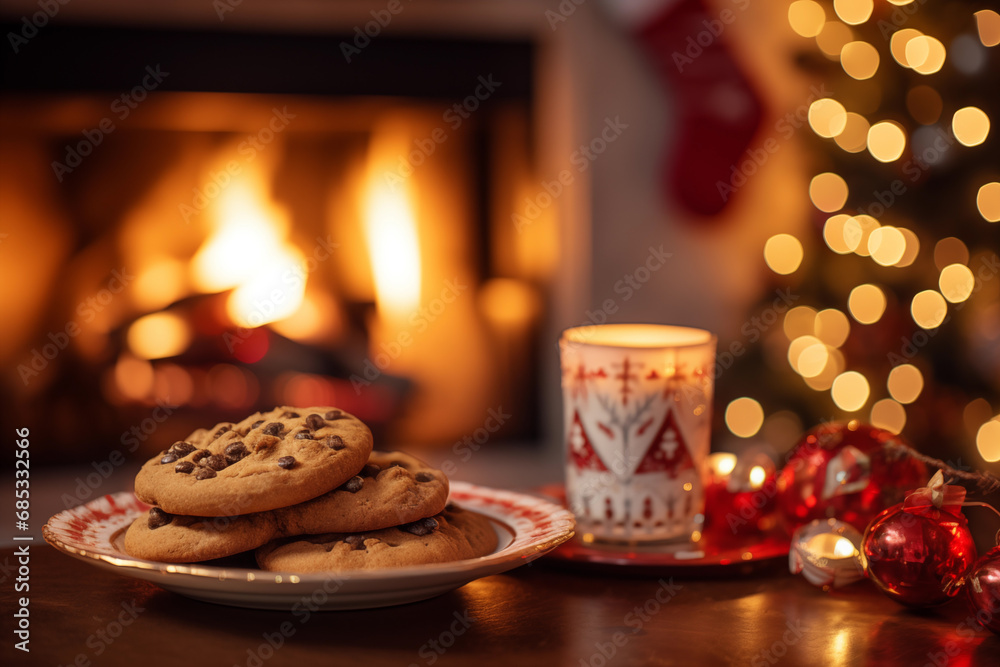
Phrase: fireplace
[201,232]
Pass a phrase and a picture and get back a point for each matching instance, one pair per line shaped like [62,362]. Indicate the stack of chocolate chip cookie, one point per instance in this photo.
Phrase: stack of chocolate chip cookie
[303,487]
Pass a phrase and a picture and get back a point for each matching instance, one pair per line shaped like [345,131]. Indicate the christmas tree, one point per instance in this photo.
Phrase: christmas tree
[898,320]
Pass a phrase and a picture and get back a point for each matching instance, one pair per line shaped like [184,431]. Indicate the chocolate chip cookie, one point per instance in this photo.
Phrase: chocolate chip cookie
[455,534]
[268,460]
[170,538]
[391,489]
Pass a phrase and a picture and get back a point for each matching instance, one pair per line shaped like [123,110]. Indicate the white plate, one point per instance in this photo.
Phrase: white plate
[527,527]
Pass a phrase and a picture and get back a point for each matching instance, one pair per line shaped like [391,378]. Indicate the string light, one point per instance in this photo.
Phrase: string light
[988,202]
[925,54]
[898,42]
[886,141]
[806,17]
[827,117]
[859,59]
[833,234]
[866,303]
[956,282]
[889,415]
[928,309]
[886,245]
[850,391]
[905,382]
[783,253]
[828,192]
[853,12]
[744,417]
[970,126]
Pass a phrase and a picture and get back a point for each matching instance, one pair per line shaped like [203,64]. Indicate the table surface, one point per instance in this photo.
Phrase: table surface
[539,614]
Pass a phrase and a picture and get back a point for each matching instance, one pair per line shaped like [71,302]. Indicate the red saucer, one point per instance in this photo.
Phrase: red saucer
[713,555]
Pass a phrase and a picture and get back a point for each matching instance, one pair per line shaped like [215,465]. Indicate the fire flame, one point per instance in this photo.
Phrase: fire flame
[248,253]
[390,228]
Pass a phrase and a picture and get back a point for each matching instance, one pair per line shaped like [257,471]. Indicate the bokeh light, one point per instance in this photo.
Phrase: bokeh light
[833,233]
[988,441]
[859,59]
[857,231]
[827,117]
[854,137]
[950,250]
[886,141]
[866,303]
[925,54]
[970,125]
[889,415]
[832,38]
[832,327]
[988,201]
[988,24]
[905,383]
[799,321]
[744,417]
[898,42]
[853,12]
[850,391]
[956,282]
[806,17]
[886,245]
[928,309]
[783,253]
[159,335]
[828,191]
[912,248]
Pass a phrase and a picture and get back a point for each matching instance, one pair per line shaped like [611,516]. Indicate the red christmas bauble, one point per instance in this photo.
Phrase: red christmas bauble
[918,556]
[849,472]
[982,590]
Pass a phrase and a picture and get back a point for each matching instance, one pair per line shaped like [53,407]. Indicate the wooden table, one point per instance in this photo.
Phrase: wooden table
[537,615]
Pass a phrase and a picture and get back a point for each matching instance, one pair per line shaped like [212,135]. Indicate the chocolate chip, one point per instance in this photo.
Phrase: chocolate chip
[370,470]
[256,424]
[286,462]
[182,448]
[222,429]
[170,457]
[333,414]
[353,485]
[236,451]
[215,462]
[424,477]
[200,454]
[357,542]
[184,466]
[315,422]
[274,428]
[422,527]
[290,415]
[303,435]
[205,473]
[335,442]
[158,517]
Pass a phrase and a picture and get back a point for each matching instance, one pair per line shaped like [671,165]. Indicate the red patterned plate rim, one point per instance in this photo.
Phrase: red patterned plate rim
[536,526]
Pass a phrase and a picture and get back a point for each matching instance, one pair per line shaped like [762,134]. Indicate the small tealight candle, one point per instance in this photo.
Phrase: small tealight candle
[826,552]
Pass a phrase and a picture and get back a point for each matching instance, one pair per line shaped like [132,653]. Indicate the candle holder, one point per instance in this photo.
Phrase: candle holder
[740,494]
[637,402]
[826,552]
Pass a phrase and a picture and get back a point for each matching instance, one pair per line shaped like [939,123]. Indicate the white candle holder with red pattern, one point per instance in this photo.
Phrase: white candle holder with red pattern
[637,402]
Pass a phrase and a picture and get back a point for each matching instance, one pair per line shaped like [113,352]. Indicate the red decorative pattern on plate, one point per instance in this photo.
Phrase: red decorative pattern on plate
[527,527]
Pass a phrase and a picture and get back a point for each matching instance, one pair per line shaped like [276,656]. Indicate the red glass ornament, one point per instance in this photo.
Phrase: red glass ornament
[918,556]
[982,590]
[849,472]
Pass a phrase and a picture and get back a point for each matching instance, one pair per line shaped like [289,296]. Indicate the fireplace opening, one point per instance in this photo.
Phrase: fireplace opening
[319,233]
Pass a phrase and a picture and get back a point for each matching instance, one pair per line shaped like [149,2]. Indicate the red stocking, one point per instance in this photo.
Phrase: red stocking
[718,110]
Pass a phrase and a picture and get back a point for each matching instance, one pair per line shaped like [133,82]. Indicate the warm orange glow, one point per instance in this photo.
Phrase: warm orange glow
[928,309]
[866,303]
[158,335]
[833,233]
[510,303]
[850,391]
[898,43]
[886,141]
[799,321]
[391,228]
[905,383]
[956,282]
[828,191]
[832,327]
[889,415]
[925,54]
[970,126]
[988,441]
[988,201]
[637,335]
[317,320]
[248,252]
[832,38]
[806,17]
[744,417]
[912,248]
[859,59]
[133,377]
[783,253]
[722,463]
[159,283]
[827,117]
[857,232]
[854,138]
[886,245]
[988,23]
[853,12]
